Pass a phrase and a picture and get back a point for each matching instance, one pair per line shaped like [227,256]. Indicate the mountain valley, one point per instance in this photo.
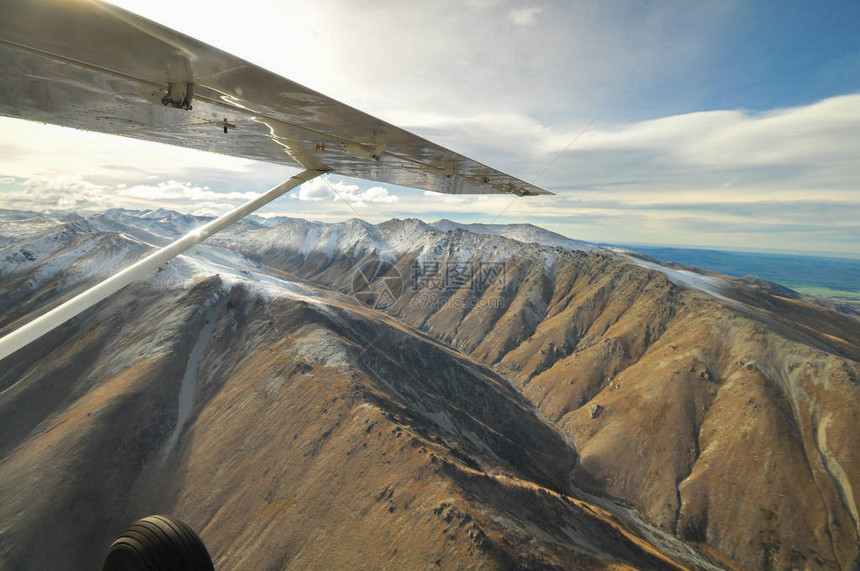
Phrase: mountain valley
[505,397]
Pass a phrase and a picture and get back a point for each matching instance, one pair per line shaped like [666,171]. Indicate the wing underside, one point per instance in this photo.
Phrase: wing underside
[94,66]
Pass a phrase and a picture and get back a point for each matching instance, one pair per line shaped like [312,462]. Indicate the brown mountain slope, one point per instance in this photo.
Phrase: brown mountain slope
[729,421]
[317,436]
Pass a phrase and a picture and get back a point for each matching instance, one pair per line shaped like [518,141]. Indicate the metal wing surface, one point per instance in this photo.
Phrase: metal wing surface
[93,66]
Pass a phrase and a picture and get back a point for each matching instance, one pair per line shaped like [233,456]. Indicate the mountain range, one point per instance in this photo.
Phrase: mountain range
[412,395]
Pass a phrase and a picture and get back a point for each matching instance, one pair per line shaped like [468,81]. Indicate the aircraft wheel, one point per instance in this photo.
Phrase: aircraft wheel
[158,543]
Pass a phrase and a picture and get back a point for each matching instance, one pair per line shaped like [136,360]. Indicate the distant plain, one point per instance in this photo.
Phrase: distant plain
[833,278]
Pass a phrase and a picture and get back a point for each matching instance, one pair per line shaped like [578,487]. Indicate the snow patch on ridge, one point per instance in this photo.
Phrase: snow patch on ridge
[188,385]
[685,278]
[234,270]
[322,347]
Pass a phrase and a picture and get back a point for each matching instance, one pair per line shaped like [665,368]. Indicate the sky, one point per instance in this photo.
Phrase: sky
[723,124]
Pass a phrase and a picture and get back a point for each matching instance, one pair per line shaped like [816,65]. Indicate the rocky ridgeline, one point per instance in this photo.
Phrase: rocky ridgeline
[501,391]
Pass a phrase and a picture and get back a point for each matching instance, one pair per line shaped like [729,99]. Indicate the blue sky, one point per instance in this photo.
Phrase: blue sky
[759,56]
[715,124]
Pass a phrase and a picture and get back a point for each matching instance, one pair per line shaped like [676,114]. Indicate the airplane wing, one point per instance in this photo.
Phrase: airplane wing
[93,66]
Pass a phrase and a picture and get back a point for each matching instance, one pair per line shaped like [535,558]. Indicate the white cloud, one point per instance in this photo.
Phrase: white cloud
[713,156]
[524,16]
[74,192]
[64,192]
[176,191]
[320,189]
[314,190]
[465,199]
[378,194]
[633,178]
[481,4]
[819,134]
[679,177]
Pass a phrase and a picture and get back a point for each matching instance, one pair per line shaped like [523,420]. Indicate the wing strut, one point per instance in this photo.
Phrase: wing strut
[69,309]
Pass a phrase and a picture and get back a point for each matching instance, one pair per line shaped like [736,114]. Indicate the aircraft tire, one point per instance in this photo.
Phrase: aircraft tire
[158,543]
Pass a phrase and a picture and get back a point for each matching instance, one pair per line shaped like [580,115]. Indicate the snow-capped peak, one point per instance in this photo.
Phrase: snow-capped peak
[526,233]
